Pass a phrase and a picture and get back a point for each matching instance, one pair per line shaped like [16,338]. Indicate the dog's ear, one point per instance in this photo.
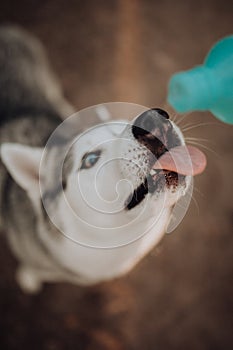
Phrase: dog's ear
[22,162]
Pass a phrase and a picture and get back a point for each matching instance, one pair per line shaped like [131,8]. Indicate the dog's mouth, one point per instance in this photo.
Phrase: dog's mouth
[170,161]
[169,172]
[154,183]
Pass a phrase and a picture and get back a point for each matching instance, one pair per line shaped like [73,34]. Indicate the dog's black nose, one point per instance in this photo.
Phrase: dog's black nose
[154,130]
[161,112]
[149,121]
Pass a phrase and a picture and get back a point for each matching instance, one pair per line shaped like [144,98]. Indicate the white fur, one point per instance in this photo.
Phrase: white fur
[100,239]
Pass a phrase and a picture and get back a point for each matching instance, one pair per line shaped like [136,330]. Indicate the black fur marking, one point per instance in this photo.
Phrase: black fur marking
[138,195]
[17,112]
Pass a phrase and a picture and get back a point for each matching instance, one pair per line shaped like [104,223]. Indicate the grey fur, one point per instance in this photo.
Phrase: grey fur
[27,113]
[31,107]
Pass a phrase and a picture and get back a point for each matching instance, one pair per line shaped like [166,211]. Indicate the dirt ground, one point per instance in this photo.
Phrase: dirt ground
[180,296]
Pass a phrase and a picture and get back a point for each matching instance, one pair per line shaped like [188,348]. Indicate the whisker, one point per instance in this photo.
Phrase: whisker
[181,119]
[174,117]
[173,114]
[190,127]
[187,138]
[205,147]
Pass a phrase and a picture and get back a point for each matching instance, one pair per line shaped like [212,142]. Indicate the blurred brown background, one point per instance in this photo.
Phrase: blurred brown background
[180,296]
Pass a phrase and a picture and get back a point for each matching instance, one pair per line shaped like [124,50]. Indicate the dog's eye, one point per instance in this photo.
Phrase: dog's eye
[90,159]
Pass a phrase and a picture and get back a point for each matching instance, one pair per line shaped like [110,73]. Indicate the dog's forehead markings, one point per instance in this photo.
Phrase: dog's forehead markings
[103,113]
[96,138]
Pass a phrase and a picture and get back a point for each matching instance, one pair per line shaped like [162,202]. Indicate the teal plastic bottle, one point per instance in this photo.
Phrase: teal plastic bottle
[207,87]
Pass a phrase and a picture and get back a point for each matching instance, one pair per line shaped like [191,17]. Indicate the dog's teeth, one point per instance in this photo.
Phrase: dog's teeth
[152,172]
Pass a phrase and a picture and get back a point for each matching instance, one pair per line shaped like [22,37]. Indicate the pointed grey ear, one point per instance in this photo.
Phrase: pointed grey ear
[23,164]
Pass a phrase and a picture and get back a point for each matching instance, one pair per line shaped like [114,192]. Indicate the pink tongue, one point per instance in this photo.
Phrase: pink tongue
[185,160]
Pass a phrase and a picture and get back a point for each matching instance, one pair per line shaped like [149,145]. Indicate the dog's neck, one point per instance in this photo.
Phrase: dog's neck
[95,264]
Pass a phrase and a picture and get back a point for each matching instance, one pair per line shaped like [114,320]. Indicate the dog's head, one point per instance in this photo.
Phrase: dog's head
[103,186]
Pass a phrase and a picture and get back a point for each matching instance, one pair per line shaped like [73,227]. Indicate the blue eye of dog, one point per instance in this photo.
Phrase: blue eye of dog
[90,159]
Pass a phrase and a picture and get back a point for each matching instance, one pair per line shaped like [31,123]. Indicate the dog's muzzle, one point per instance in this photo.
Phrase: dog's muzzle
[154,130]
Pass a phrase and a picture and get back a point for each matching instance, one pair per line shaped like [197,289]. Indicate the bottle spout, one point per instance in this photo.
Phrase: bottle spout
[191,90]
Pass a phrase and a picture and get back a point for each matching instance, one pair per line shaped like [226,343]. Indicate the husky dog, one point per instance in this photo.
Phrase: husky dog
[71,227]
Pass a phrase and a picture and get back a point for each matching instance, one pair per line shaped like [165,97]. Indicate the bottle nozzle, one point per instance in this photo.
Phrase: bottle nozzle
[191,90]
